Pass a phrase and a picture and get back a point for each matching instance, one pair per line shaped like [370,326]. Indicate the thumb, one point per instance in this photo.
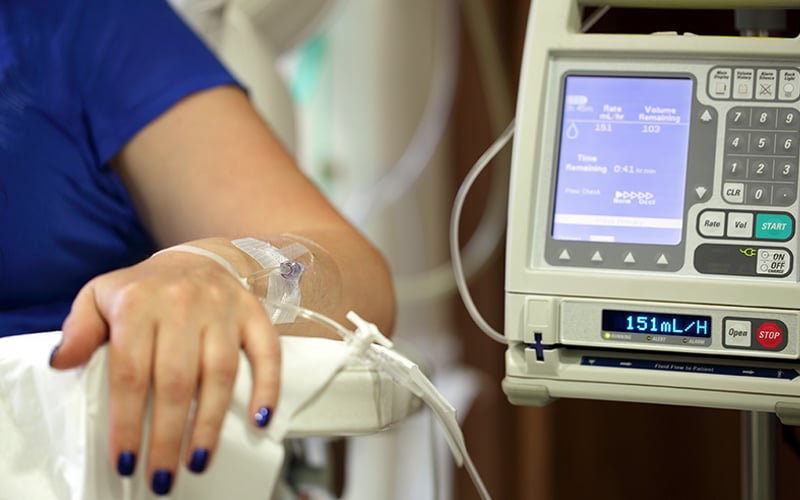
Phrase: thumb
[84,330]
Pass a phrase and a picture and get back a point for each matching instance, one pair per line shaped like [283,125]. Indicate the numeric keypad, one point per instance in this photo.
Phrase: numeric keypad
[761,155]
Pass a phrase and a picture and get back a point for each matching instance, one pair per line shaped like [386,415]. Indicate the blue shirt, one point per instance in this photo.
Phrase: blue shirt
[78,78]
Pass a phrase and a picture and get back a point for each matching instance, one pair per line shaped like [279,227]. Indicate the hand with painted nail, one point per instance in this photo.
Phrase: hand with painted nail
[174,325]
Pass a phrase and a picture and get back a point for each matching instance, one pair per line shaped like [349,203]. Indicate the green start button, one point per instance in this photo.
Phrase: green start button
[774,226]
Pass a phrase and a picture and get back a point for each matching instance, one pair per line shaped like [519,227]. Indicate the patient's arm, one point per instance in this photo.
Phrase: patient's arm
[205,172]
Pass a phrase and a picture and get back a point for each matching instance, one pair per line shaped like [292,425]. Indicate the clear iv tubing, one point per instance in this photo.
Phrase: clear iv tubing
[455,219]
[403,372]
[461,195]
[438,281]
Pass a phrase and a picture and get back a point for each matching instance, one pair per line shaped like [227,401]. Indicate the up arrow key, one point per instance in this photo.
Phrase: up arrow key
[706,117]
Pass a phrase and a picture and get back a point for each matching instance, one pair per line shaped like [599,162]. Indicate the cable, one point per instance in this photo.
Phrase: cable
[472,175]
[455,219]
[476,479]
[438,282]
[594,17]
[434,450]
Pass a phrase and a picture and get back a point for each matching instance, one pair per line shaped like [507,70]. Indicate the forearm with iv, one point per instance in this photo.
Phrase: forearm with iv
[294,271]
[281,269]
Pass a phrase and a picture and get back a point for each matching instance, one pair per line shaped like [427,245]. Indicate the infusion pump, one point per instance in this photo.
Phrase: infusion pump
[652,250]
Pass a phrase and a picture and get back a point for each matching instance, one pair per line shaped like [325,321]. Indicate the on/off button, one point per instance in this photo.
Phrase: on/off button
[773,262]
[771,336]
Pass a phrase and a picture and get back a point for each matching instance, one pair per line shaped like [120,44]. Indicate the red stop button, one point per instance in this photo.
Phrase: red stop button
[769,335]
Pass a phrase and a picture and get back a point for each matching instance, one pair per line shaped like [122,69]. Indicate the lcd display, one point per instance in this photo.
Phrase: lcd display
[622,161]
[657,323]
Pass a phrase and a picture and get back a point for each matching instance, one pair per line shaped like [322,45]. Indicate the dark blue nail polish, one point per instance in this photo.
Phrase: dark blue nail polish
[53,354]
[126,463]
[162,482]
[199,460]
[263,416]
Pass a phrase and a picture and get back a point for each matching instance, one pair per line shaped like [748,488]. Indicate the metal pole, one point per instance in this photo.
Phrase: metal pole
[758,456]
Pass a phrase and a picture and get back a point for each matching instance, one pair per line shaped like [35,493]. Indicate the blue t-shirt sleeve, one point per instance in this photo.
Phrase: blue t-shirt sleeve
[134,59]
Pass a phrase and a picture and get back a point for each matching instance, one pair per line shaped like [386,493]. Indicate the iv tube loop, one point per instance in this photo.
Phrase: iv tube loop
[403,372]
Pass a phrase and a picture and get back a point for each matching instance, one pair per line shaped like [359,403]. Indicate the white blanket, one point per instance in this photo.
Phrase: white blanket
[53,425]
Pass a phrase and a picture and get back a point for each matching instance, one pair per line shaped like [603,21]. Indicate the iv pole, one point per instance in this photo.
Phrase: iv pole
[758,455]
[758,429]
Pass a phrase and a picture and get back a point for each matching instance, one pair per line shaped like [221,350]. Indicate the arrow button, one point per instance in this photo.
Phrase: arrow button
[700,191]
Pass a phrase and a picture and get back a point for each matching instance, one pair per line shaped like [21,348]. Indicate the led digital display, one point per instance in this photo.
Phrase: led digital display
[685,325]
[622,160]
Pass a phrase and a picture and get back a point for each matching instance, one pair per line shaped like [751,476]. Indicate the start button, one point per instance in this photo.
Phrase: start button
[770,335]
[774,226]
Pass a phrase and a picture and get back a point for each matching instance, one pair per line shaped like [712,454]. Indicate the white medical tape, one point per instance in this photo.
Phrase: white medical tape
[262,252]
[282,288]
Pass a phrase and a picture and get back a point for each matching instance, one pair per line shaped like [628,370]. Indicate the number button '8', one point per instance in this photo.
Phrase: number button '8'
[765,118]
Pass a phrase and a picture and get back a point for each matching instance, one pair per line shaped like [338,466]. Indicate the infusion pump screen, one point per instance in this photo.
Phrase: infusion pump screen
[622,162]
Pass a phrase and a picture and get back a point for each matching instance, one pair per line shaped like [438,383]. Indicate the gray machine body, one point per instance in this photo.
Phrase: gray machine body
[652,241]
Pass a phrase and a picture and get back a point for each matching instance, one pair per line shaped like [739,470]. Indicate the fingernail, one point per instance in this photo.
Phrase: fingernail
[263,416]
[162,482]
[199,460]
[53,354]
[126,462]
